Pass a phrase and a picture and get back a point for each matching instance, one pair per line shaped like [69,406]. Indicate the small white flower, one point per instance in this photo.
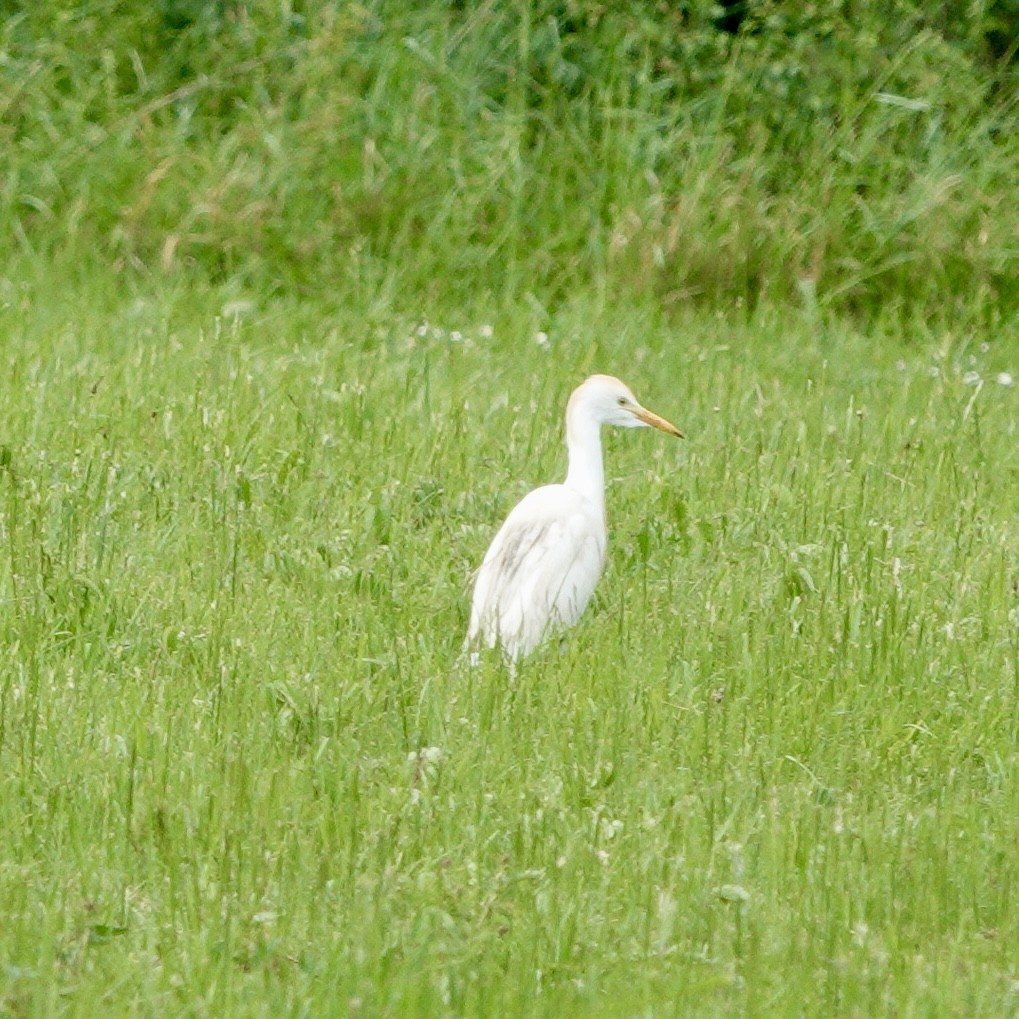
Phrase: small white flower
[610,829]
[733,893]
[1005,379]
[485,332]
[971,378]
[934,371]
[422,330]
[456,336]
[426,755]
[541,339]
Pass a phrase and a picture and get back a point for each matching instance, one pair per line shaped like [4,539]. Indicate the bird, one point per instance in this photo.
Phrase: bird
[545,561]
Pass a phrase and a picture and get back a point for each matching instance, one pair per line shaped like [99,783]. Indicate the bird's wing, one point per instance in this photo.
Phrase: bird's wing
[540,570]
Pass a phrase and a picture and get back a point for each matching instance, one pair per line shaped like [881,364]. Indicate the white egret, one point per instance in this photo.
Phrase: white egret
[542,567]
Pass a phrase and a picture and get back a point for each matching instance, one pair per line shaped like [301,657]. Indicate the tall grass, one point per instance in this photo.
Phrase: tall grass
[420,149]
[772,772]
[292,299]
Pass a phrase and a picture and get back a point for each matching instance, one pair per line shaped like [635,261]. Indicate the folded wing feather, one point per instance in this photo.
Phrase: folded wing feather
[539,572]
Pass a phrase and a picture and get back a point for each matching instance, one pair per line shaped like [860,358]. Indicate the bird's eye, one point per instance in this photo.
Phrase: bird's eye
[621,401]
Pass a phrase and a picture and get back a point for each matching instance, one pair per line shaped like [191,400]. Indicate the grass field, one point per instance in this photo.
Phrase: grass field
[774,771]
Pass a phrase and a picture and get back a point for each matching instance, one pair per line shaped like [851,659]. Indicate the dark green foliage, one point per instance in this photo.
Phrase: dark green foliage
[848,154]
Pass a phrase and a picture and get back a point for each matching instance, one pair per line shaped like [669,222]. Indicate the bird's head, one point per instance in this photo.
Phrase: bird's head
[609,402]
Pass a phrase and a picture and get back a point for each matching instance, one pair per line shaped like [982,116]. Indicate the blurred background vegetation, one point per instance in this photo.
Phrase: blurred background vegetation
[844,155]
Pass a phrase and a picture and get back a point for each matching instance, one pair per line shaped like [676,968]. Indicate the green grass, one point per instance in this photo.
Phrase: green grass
[867,159]
[772,772]
[273,277]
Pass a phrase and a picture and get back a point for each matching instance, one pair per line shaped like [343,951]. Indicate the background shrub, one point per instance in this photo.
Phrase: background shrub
[848,154]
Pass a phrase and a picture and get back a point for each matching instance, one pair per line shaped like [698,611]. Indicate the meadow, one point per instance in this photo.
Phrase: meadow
[772,772]
[291,300]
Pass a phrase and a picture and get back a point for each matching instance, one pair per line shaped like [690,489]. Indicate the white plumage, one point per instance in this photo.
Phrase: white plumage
[542,567]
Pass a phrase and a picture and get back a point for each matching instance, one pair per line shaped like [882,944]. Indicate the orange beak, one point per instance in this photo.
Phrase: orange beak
[656,422]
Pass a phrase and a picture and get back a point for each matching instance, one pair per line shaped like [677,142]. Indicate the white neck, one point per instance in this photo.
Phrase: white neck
[586,473]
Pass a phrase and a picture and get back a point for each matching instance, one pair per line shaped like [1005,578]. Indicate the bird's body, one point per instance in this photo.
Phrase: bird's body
[540,570]
[542,567]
